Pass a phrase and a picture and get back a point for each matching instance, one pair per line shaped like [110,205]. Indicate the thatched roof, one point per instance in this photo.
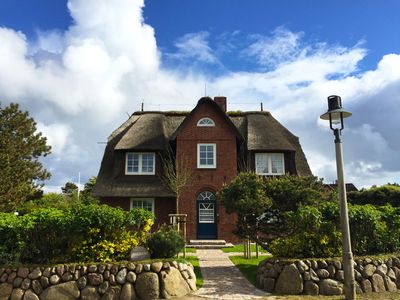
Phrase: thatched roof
[153,131]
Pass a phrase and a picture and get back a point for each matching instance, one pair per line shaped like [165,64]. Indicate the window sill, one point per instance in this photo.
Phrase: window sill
[206,168]
[140,174]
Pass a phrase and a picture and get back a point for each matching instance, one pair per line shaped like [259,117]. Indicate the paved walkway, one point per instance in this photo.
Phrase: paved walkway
[222,280]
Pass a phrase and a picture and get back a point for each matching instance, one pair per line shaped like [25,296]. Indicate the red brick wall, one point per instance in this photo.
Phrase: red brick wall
[208,179]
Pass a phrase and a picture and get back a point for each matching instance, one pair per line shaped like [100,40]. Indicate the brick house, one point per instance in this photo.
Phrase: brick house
[216,145]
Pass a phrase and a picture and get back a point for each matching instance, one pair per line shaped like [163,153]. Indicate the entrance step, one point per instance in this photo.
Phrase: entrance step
[209,244]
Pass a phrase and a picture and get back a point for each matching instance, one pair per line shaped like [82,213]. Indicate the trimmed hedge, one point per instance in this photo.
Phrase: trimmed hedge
[386,194]
[54,235]
[316,231]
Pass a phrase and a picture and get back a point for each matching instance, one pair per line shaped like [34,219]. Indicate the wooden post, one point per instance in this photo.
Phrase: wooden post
[175,221]
[257,255]
[184,238]
[249,247]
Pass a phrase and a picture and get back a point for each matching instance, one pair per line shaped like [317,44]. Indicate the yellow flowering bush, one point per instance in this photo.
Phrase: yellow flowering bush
[106,250]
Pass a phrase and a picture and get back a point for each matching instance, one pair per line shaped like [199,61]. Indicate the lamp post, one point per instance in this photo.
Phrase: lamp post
[335,115]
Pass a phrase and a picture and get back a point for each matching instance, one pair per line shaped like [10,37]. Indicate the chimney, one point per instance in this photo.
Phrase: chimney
[221,101]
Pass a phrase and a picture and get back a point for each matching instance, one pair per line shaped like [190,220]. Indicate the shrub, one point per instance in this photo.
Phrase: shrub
[93,249]
[314,234]
[81,232]
[386,194]
[165,243]
[290,192]
[367,229]
[46,235]
[316,231]
[11,238]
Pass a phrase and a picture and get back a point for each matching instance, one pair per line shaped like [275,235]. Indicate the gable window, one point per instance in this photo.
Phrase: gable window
[140,163]
[145,203]
[206,156]
[270,164]
[206,122]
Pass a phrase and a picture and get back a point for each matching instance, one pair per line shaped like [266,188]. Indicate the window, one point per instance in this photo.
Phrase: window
[206,213]
[270,164]
[146,203]
[139,163]
[206,156]
[205,122]
[206,203]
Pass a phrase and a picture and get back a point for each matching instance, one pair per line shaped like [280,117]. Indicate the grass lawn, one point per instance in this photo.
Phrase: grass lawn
[190,250]
[248,267]
[240,248]
[195,262]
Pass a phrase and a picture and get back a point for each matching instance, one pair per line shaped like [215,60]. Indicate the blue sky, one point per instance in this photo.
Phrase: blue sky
[79,66]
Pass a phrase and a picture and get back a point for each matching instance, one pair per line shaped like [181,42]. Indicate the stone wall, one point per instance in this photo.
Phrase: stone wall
[325,277]
[102,281]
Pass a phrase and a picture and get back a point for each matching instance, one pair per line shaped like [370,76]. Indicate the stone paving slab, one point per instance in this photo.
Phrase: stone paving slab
[222,280]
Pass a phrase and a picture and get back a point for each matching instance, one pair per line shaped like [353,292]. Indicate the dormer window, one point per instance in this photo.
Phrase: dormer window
[140,163]
[205,122]
[270,164]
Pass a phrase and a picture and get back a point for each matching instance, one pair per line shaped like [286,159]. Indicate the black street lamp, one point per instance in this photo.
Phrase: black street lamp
[335,115]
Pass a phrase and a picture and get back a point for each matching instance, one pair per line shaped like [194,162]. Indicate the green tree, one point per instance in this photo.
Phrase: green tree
[86,196]
[246,197]
[289,193]
[70,189]
[21,146]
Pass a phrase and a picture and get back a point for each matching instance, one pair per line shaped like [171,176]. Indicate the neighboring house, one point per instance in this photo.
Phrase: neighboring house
[350,187]
[216,144]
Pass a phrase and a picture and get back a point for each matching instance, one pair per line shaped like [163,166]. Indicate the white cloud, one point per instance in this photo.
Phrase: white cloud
[194,46]
[283,45]
[82,82]
[57,136]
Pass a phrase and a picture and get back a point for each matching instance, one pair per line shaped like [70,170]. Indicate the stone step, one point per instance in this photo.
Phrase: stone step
[207,242]
[204,246]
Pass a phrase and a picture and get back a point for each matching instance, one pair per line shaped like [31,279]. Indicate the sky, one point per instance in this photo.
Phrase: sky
[80,67]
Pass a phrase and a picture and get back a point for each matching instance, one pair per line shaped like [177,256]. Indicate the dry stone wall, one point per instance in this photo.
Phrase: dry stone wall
[102,281]
[326,277]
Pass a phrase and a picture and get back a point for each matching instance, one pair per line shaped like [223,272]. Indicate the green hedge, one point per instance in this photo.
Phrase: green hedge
[386,194]
[316,231]
[55,235]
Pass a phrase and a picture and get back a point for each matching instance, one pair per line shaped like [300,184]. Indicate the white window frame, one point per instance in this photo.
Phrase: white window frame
[140,172]
[210,124]
[269,158]
[148,200]
[214,165]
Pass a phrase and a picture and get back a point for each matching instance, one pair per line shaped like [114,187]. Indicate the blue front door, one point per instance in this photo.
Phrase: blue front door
[206,216]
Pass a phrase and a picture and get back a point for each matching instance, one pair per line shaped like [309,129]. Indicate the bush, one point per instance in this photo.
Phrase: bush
[386,194]
[50,200]
[94,249]
[290,192]
[46,235]
[82,232]
[165,243]
[11,238]
[314,233]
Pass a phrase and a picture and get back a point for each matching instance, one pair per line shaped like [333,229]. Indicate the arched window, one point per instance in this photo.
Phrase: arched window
[206,196]
[205,122]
